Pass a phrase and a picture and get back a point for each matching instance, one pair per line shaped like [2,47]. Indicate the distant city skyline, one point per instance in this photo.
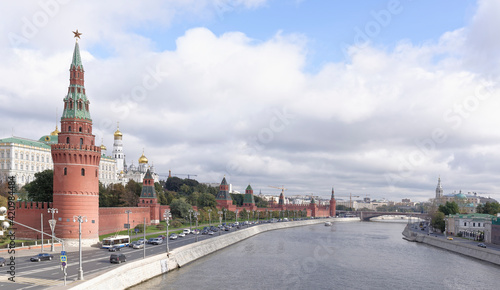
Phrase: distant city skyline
[370,97]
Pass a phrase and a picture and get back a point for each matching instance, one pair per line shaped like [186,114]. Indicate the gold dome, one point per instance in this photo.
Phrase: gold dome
[143,159]
[118,133]
[55,132]
[103,148]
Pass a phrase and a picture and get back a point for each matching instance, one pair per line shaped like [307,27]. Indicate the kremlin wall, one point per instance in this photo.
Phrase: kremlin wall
[76,182]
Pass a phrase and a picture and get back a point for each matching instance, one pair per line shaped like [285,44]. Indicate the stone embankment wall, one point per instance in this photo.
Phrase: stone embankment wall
[133,273]
[473,251]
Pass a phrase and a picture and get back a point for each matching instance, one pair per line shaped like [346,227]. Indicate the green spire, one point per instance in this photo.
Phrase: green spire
[76,104]
[77,61]
[248,197]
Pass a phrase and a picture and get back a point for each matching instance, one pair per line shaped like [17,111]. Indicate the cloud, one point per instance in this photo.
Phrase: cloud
[386,123]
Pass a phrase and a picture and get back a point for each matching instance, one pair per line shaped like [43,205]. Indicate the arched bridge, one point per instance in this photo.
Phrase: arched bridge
[367,215]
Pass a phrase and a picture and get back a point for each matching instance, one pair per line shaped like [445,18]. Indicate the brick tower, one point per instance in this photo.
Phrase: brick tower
[248,199]
[223,198]
[148,198]
[333,204]
[76,162]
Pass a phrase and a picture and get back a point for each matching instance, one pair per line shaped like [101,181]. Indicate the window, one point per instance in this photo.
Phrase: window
[22,155]
[69,128]
[43,159]
[67,140]
[65,171]
[22,169]
[473,224]
[37,158]
[96,173]
[83,171]
[80,129]
[32,157]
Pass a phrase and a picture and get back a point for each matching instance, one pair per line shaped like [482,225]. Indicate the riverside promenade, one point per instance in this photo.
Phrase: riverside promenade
[457,245]
[133,273]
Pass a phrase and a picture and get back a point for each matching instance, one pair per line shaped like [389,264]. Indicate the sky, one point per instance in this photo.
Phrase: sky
[374,98]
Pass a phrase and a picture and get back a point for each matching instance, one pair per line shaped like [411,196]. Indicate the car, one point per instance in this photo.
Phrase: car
[157,241]
[2,262]
[186,231]
[482,245]
[210,232]
[163,237]
[450,238]
[236,223]
[114,249]
[42,257]
[150,241]
[182,235]
[138,246]
[117,258]
[204,232]
[173,237]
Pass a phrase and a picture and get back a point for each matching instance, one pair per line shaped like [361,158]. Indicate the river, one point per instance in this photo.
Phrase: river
[357,255]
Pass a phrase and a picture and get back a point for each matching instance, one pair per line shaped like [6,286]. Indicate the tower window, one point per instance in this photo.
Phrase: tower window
[81,143]
[96,173]
[67,140]
[83,171]
[80,129]
[69,128]
[65,171]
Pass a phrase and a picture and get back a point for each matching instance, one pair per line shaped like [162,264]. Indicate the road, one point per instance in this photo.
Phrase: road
[44,274]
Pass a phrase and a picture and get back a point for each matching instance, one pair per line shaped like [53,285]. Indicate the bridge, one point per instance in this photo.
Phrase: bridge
[367,215]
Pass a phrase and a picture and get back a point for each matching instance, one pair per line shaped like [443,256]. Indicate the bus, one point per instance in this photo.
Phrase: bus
[116,241]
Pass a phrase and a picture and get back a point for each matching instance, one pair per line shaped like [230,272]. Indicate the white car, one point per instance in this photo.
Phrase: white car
[182,235]
[186,231]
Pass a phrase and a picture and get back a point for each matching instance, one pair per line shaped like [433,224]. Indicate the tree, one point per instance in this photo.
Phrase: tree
[180,208]
[437,221]
[449,208]
[488,208]
[173,184]
[260,202]
[41,189]
[206,200]
[237,199]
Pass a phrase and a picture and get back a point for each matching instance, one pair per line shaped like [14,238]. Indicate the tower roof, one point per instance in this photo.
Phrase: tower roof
[249,187]
[76,104]
[77,60]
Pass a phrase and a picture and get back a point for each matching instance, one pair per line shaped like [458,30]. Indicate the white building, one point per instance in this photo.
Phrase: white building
[22,158]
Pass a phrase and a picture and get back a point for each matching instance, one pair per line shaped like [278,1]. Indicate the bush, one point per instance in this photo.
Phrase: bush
[140,227]
[175,224]
[160,227]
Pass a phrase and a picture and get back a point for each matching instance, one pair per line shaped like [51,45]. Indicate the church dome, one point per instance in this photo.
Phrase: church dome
[118,133]
[143,159]
[461,196]
[103,148]
[55,132]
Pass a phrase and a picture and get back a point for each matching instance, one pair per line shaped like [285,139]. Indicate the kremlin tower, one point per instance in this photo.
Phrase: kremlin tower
[333,204]
[76,162]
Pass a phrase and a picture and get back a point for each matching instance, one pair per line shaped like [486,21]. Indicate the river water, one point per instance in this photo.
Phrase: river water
[354,255]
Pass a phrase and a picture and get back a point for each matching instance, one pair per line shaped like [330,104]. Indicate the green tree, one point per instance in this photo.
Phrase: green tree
[237,199]
[449,208]
[206,200]
[173,184]
[260,202]
[180,208]
[41,189]
[437,221]
[192,199]
[488,208]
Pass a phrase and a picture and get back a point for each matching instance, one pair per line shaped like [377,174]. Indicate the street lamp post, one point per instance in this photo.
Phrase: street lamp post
[128,212]
[236,216]
[209,218]
[80,219]
[190,212]
[167,215]
[258,217]
[248,217]
[225,216]
[52,224]
[220,219]
[196,214]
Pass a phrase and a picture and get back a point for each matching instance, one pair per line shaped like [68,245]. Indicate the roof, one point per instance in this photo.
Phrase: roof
[27,142]
[76,60]
[472,216]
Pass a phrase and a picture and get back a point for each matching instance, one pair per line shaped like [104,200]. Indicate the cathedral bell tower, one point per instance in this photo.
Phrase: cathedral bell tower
[76,162]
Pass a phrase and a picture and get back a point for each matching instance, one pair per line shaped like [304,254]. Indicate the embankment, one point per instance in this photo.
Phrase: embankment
[133,273]
[456,246]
